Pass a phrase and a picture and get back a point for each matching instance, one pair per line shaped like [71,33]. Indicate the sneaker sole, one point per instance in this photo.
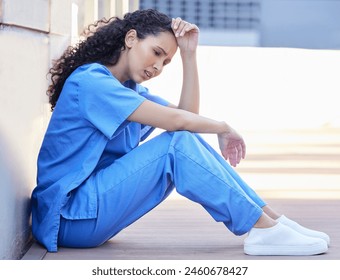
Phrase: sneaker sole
[263,250]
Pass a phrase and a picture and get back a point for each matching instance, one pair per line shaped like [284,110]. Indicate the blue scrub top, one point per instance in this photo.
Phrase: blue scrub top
[88,131]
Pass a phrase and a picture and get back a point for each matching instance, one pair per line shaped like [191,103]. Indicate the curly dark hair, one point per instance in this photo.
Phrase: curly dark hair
[103,42]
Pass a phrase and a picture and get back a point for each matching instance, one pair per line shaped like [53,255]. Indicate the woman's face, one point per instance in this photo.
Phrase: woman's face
[147,57]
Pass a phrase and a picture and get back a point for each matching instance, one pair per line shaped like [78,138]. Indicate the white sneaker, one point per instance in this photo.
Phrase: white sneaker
[281,240]
[305,231]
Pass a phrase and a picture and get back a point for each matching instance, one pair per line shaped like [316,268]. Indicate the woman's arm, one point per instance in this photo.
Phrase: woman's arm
[172,119]
[187,40]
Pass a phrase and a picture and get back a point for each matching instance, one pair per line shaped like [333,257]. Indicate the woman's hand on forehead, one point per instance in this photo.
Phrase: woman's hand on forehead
[186,34]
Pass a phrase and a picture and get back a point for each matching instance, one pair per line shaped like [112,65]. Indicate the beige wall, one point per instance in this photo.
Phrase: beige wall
[32,33]
[28,28]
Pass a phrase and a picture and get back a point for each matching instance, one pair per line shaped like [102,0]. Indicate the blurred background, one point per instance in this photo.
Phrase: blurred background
[270,68]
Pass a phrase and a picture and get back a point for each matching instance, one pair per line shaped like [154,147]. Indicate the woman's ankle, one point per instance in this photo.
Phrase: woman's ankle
[265,222]
[271,212]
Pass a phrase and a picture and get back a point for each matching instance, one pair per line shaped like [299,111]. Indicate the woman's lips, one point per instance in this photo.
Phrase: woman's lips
[148,74]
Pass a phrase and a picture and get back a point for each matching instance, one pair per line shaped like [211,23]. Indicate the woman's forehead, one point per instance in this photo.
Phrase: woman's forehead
[165,40]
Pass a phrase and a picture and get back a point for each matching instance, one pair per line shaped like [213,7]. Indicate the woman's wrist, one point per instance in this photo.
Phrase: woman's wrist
[225,128]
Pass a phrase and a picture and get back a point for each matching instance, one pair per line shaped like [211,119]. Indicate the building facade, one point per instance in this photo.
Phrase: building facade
[264,23]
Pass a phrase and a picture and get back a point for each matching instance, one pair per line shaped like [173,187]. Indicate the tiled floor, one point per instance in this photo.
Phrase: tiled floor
[182,230]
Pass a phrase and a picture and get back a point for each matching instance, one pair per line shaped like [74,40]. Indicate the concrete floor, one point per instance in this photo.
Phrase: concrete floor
[182,230]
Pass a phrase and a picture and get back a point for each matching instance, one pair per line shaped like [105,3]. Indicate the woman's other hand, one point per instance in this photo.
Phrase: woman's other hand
[232,146]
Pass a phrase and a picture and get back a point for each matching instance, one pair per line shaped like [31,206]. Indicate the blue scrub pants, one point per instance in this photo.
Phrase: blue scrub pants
[137,182]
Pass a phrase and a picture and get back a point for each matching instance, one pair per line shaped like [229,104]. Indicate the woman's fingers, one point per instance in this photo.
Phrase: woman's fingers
[181,27]
[235,153]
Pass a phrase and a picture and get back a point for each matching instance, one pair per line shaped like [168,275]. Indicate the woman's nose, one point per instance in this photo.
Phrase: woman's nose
[158,68]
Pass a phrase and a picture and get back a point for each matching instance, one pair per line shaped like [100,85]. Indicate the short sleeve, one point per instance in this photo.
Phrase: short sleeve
[143,91]
[104,101]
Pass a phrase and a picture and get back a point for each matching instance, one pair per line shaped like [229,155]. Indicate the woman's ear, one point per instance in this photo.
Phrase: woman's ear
[130,38]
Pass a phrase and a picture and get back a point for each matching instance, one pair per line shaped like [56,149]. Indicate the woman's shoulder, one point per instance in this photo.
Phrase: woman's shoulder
[93,69]
[94,75]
